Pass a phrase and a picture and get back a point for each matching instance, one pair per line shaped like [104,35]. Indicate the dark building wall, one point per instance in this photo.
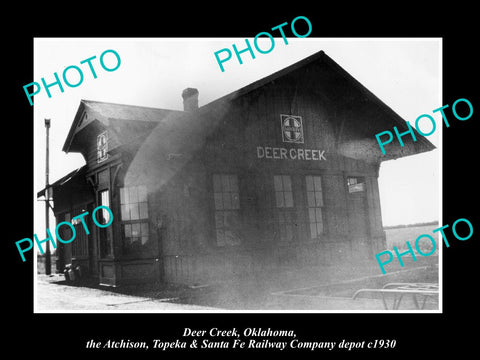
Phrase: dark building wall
[182,245]
[191,251]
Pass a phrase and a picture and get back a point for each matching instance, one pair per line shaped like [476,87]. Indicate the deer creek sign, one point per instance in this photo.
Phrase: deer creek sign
[279,153]
[292,132]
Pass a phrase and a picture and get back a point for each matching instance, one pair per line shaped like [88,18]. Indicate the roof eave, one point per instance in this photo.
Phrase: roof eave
[263,81]
[71,132]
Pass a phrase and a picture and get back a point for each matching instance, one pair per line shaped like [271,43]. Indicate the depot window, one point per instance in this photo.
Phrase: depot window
[283,191]
[284,214]
[103,217]
[134,217]
[356,184]
[102,147]
[227,209]
[314,205]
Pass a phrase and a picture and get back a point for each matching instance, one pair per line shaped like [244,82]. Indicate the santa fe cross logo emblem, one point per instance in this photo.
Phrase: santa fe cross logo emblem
[292,129]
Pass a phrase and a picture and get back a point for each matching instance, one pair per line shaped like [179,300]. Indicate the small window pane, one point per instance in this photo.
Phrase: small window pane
[133,194]
[279,198]
[134,214]
[318,198]
[225,183]
[219,219]
[233,183]
[311,198]
[220,237]
[128,230]
[311,215]
[228,237]
[309,181]
[144,229]
[318,214]
[231,219]
[277,181]
[144,239]
[218,201]
[318,183]
[319,228]
[288,199]
[136,229]
[231,238]
[287,183]
[143,209]
[106,216]
[227,201]
[104,198]
[313,230]
[125,213]
[123,196]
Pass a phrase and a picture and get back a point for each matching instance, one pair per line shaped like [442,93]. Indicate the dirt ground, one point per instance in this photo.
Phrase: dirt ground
[54,294]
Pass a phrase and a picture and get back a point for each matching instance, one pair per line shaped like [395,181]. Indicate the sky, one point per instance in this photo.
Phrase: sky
[403,73]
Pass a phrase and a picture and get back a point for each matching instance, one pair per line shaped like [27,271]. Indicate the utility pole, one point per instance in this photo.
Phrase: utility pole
[48,262]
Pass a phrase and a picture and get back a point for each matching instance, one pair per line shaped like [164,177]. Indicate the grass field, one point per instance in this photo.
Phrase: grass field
[398,237]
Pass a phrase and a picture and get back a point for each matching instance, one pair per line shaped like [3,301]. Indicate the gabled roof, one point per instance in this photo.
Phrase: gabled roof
[342,85]
[126,112]
[106,112]
[272,77]
[358,140]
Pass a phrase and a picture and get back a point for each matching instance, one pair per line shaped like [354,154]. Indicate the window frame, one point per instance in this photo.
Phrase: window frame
[105,239]
[285,211]
[143,223]
[312,203]
[233,208]
[283,191]
[356,184]
[102,149]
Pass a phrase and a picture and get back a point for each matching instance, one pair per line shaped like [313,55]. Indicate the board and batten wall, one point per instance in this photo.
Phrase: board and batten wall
[191,254]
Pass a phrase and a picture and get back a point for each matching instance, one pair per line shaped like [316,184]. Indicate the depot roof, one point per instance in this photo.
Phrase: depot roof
[342,88]
[110,114]
[356,134]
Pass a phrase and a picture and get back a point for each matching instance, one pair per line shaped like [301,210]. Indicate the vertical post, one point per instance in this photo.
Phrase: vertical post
[48,263]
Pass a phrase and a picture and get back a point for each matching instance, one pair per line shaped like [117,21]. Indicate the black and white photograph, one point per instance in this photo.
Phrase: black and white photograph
[209,181]
[231,191]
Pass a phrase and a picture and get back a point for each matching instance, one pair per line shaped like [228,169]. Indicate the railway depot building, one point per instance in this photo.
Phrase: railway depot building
[281,173]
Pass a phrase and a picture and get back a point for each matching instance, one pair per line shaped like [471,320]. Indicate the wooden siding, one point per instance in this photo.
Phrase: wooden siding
[183,246]
[190,251]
